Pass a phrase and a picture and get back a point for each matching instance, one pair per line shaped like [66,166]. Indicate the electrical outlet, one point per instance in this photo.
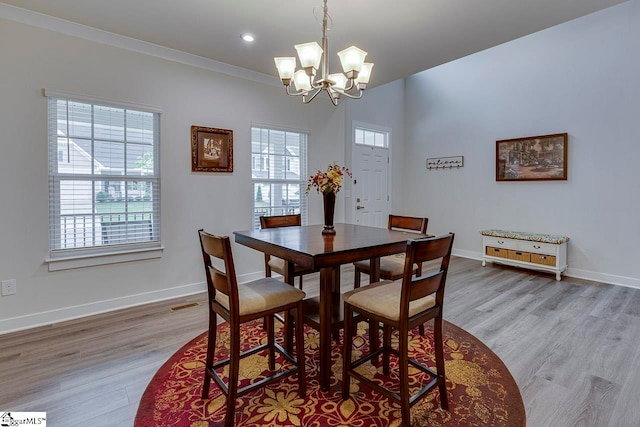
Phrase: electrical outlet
[9,287]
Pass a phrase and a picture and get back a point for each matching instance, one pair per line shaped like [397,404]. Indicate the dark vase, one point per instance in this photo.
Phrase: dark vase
[329,209]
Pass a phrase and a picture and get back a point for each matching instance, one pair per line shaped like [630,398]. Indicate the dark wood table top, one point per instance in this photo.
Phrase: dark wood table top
[308,247]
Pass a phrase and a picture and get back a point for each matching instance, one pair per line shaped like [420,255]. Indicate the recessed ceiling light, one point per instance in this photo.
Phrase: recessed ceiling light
[247,37]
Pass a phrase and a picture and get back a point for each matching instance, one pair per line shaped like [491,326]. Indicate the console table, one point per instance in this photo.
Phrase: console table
[536,251]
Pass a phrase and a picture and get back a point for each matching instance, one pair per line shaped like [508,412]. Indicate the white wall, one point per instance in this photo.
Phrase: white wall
[32,59]
[580,77]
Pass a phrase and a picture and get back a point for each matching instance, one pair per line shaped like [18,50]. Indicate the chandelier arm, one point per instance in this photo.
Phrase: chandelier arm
[316,85]
[298,93]
[350,86]
[305,100]
[358,95]
[334,99]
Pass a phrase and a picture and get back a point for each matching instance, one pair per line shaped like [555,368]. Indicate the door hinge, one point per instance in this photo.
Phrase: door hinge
[387,197]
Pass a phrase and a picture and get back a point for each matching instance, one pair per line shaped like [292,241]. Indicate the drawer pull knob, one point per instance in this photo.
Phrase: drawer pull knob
[536,246]
[501,242]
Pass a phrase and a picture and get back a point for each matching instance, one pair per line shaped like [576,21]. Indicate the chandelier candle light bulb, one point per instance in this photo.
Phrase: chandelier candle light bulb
[351,84]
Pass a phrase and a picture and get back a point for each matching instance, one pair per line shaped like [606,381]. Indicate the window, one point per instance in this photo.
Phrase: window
[279,182]
[371,138]
[104,180]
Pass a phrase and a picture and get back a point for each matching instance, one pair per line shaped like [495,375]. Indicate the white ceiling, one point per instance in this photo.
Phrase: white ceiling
[402,37]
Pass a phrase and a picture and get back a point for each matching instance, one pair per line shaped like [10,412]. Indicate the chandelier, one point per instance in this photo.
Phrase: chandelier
[351,83]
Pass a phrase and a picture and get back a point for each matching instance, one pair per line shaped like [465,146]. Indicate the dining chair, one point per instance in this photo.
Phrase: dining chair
[272,263]
[241,303]
[392,266]
[402,305]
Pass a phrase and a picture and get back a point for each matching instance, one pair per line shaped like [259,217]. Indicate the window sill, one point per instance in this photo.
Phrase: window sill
[125,255]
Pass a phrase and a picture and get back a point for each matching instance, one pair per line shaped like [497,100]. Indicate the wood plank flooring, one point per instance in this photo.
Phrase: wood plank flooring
[572,347]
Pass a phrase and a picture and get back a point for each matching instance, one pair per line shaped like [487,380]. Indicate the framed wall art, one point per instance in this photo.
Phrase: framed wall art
[211,149]
[534,158]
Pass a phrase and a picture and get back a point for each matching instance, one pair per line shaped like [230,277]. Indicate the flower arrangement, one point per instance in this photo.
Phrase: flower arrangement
[329,181]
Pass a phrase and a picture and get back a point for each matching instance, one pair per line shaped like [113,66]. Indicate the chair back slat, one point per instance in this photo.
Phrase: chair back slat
[409,223]
[219,280]
[423,250]
[211,245]
[425,285]
[280,221]
[219,247]
[437,248]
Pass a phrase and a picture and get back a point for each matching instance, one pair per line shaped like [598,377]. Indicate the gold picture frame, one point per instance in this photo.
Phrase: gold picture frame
[534,158]
[211,149]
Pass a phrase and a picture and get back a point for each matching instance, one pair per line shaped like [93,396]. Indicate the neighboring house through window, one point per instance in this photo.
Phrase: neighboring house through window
[279,173]
[104,178]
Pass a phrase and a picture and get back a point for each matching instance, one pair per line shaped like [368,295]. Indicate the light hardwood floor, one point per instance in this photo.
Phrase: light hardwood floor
[572,347]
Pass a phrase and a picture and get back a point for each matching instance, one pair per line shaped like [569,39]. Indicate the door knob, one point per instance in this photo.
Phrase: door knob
[359,207]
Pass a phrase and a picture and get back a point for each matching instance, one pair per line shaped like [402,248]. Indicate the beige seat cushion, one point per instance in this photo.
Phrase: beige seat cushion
[262,295]
[390,266]
[383,299]
[277,265]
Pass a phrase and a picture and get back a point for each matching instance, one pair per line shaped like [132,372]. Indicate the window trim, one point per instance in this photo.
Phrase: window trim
[52,93]
[90,260]
[94,256]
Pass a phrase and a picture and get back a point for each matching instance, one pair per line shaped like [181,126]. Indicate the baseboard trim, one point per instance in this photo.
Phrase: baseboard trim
[467,254]
[29,321]
[610,279]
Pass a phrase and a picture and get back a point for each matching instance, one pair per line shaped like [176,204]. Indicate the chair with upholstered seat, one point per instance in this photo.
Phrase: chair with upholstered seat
[392,266]
[275,264]
[241,303]
[402,305]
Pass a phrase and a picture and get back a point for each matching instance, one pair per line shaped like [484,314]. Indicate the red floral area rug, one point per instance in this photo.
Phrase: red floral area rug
[481,390]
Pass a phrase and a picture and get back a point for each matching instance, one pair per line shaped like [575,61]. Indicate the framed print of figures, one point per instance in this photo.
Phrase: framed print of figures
[211,149]
[534,158]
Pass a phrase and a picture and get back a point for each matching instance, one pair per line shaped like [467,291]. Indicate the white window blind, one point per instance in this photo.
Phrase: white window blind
[279,173]
[104,178]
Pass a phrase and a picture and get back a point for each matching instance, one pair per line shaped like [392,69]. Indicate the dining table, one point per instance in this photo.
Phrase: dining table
[308,247]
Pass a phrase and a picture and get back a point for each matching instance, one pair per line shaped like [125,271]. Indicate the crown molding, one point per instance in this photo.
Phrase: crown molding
[69,28]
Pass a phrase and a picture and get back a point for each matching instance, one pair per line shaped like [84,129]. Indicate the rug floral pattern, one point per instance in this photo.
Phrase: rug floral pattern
[481,390]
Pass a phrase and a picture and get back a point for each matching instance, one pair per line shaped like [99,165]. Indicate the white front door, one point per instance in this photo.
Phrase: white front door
[370,185]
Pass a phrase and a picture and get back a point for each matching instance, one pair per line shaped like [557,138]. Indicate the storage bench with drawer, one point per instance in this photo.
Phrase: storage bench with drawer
[544,252]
